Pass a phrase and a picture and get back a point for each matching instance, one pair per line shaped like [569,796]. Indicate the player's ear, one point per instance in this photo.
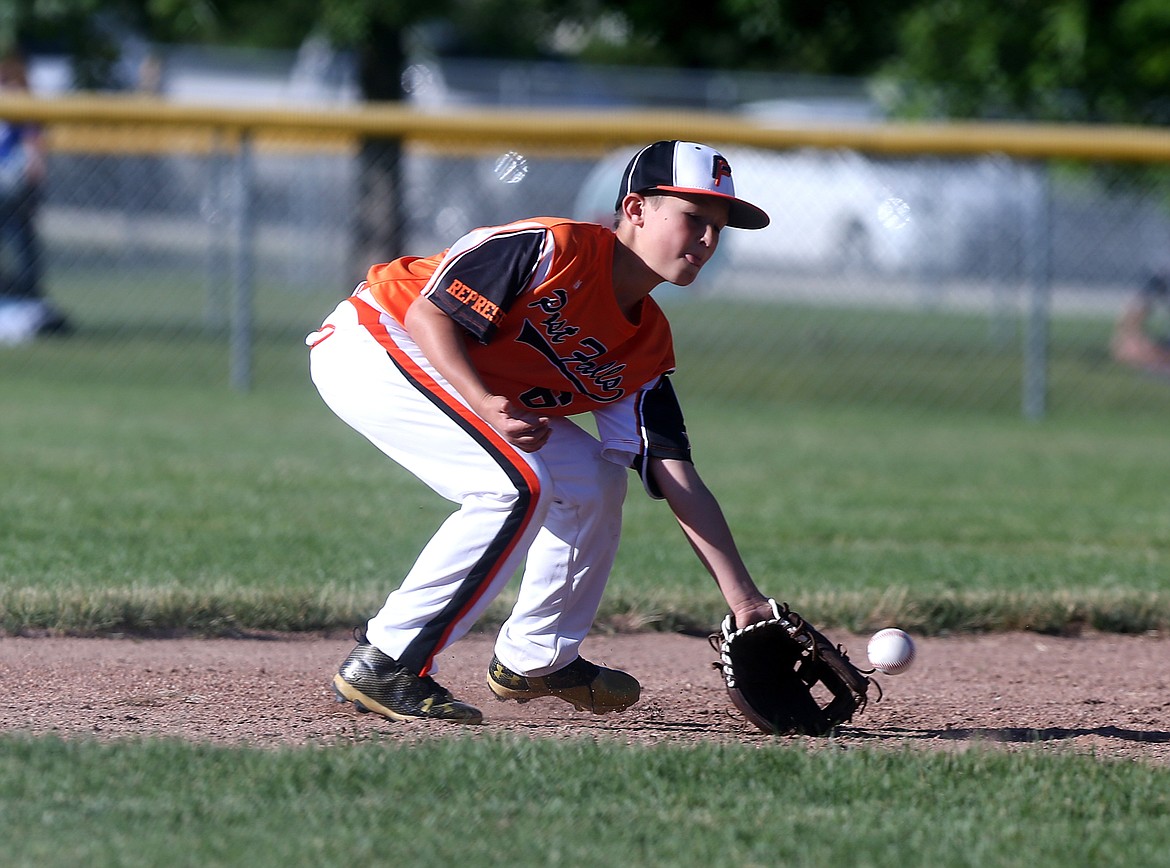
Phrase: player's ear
[633,209]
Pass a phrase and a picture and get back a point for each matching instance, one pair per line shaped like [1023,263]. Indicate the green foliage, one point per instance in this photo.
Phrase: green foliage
[76,27]
[570,803]
[849,37]
[186,20]
[1053,60]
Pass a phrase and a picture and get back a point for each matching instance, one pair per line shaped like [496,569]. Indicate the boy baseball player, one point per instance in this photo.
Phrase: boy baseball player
[466,368]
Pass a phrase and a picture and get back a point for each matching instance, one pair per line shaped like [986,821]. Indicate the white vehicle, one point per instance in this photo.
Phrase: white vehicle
[840,211]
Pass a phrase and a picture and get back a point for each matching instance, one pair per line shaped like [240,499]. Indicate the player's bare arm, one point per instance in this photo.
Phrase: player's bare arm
[706,529]
[443,342]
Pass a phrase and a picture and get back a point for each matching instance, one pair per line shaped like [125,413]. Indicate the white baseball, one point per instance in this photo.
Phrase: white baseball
[894,213]
[891,651]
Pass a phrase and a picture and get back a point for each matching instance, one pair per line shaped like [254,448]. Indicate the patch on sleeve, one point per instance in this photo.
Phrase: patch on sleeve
[483,273]
[469,298]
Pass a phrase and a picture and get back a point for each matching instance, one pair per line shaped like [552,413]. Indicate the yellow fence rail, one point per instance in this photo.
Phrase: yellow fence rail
[574,131]
[121,125]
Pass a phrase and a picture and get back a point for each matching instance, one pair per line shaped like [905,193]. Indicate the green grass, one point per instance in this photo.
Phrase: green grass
[914,360]
[144,496]
[157,510]
[500,802]
[875,467]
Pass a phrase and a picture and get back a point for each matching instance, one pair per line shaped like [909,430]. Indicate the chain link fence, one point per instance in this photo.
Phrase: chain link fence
[193,254]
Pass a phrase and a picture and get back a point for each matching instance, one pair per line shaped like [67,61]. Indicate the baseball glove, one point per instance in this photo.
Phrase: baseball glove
[772,670]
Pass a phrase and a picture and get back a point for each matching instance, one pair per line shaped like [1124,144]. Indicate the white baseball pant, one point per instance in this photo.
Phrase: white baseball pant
[559,507]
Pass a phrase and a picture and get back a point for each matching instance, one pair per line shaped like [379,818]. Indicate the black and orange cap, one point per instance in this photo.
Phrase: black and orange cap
[688,167]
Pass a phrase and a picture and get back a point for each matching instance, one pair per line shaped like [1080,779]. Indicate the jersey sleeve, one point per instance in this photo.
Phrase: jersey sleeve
[647,424]
[483,273]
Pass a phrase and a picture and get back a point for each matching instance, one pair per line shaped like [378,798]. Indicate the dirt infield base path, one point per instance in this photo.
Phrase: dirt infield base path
[1103,694]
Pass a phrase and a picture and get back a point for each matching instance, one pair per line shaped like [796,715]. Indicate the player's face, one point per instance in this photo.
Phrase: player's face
[681,234]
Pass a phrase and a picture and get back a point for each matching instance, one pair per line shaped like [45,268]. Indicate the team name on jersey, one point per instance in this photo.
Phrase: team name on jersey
[600,381]
[478,303]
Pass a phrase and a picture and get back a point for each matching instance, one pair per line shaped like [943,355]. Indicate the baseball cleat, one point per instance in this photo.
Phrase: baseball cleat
[584,685]
[374,682]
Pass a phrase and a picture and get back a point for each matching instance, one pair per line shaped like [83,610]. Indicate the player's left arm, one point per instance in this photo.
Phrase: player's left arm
[703,523]
[647,432]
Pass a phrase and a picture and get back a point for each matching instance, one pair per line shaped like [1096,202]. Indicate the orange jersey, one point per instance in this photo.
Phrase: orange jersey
[537,300]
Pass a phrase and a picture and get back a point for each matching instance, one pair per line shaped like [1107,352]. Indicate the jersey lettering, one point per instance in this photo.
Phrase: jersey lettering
[554,324]
[556,300]
[541,284]
[540,398]
[580,366]
[478,303]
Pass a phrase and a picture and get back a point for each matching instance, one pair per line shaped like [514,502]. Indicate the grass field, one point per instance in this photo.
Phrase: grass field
[569,804]
[146,496]
[876,469]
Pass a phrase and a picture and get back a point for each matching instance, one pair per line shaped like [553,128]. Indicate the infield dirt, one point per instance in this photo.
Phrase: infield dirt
[1103,694]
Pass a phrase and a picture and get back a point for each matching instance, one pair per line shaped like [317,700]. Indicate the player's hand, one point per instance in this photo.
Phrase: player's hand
[750,612]
[523,429]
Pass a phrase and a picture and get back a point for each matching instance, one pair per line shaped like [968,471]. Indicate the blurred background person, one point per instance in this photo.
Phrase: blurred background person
[24,311]
[1135,341]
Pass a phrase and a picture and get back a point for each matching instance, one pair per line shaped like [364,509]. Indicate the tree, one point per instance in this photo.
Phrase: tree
[828,37]
[77,27]
[1061,60]
[378,37]
[373,29]
[1102,60]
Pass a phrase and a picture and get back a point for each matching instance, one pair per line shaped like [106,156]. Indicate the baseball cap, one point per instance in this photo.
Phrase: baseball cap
[688,167]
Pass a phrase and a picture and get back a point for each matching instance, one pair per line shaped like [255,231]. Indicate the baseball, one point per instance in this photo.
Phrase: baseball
[511,168]
[891,651]
[894,213]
